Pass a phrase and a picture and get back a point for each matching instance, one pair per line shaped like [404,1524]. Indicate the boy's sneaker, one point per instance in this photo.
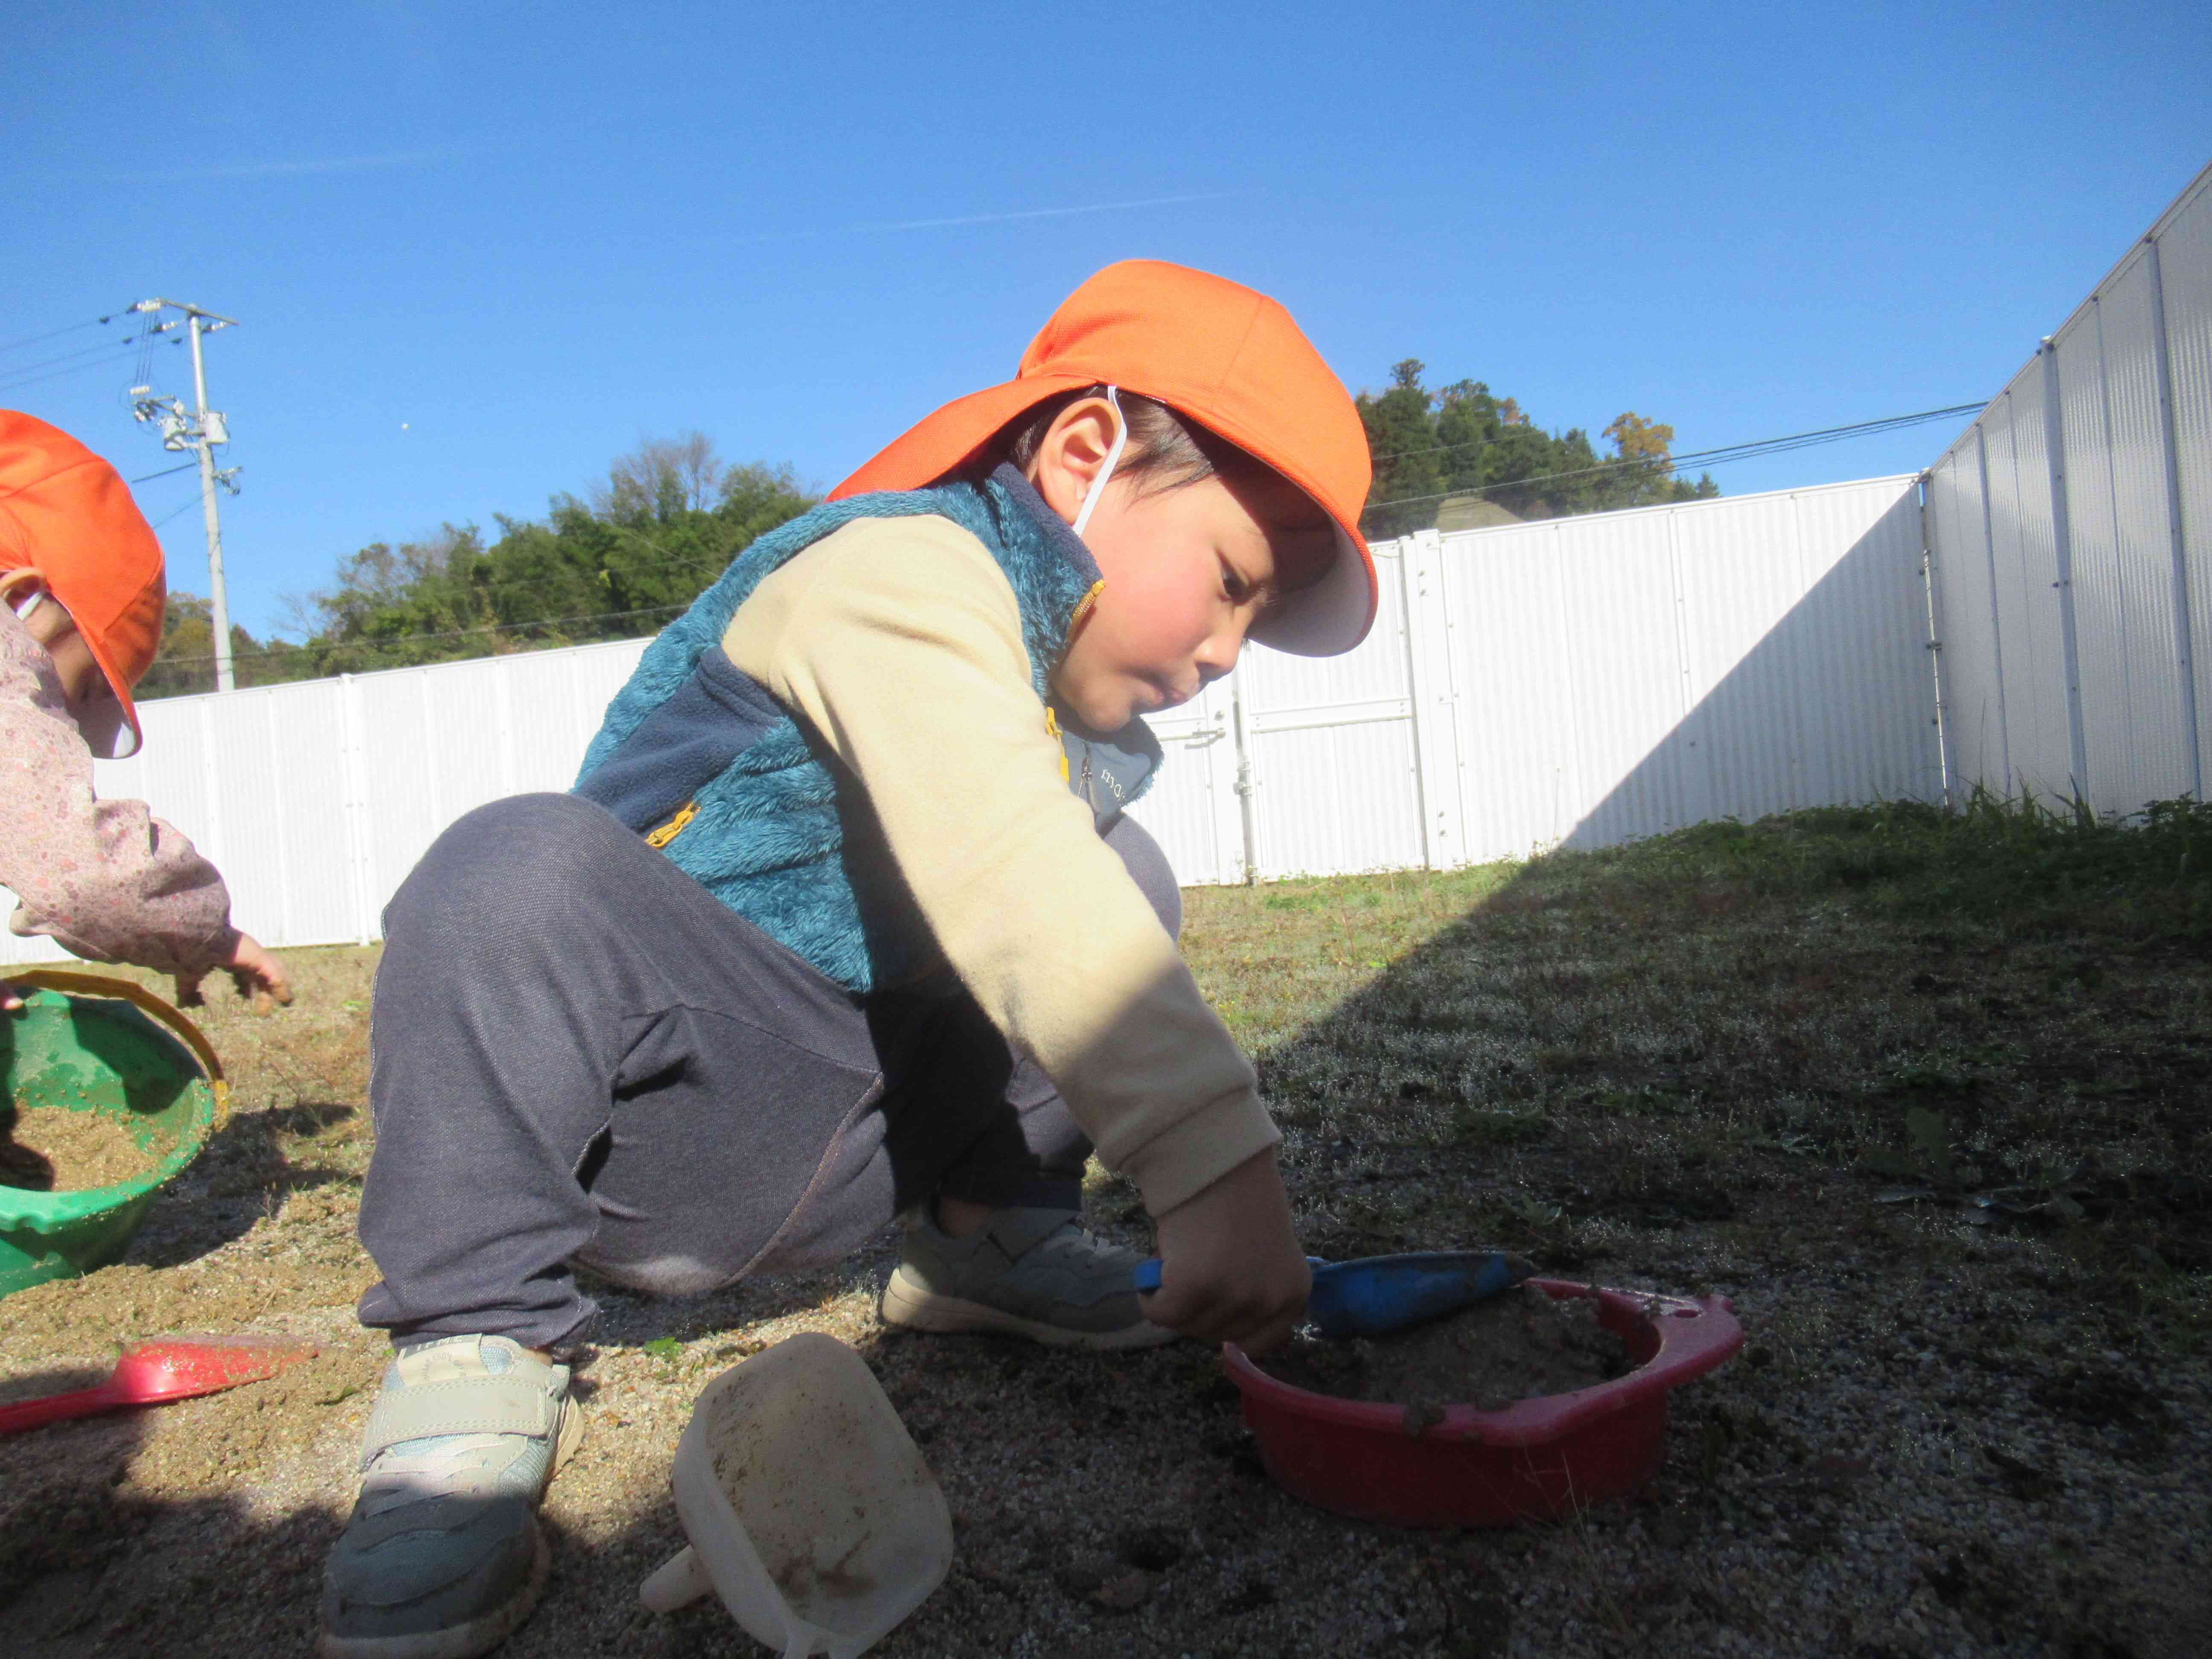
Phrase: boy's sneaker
[1028,1272]
[443,1555]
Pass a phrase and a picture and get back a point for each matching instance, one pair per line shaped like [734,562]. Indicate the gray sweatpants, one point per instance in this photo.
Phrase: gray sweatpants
[580,1055]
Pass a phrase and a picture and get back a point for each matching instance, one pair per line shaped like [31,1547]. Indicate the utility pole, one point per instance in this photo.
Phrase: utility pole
[201,429]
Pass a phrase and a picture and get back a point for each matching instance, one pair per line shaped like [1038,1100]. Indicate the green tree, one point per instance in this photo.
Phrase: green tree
[185,662]
[617,563]
[1465,440]
[1401,437]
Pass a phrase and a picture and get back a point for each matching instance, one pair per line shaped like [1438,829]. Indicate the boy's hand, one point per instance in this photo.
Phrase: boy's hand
[10,997]
[251,970]
[1231,1268]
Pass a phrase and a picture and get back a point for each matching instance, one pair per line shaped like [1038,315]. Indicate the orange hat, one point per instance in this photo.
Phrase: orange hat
[68,513]
[1230,359]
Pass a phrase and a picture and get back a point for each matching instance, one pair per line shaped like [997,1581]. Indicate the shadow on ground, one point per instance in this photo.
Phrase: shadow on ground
[1986,1439]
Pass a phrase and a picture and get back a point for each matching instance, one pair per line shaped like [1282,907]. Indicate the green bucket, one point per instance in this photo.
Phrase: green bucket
[88,1043]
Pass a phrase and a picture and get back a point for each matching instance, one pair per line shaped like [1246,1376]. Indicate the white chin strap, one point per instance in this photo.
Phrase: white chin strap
[1113,458]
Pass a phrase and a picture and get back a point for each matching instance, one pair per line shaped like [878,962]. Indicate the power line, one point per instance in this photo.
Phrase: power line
[69,356]
[165,472]
[8,383]
[52,333]
[1720,457]
[58,374]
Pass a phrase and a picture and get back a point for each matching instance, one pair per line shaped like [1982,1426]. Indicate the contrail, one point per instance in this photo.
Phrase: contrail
[405,158]
[884,225]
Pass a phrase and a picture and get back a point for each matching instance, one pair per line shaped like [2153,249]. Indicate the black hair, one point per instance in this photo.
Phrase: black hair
[1164,451]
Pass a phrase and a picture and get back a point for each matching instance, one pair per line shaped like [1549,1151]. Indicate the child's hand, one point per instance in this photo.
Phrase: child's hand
[1231,1268]
[251,970]
[10,997]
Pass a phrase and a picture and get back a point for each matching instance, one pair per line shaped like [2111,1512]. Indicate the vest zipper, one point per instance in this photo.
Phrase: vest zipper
[675,826]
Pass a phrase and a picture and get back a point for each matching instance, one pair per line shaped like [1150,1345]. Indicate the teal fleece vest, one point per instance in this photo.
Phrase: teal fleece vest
[781,834]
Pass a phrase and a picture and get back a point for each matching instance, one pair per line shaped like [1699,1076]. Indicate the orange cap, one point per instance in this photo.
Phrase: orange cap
[1228,358]
[67,511]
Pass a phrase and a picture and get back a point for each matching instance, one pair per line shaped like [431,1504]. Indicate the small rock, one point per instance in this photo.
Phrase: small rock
[1125,1592]
[1083,1574]
[1154,1549]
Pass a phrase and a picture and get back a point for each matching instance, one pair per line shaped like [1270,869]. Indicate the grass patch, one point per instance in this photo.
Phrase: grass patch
[1996,998]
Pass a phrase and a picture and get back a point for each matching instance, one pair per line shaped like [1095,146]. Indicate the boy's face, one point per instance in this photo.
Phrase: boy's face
[1189,571]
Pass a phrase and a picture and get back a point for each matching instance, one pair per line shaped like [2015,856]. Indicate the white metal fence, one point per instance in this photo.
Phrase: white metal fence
[1580,681]
[2067,530]
[1575,682]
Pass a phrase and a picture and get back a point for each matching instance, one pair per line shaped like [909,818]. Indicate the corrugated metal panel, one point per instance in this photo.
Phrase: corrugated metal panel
[1348,720]
[1519,772]
[2099,683]
[1338,799]
[2024,544]
[2158,762]
[1860,640]
[1628,679]
[1973,654]
[1629,674]
[2131,703]
[1191,808]
[2185,247]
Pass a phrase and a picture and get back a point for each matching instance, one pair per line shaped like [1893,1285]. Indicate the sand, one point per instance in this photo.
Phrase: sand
[54,1149]
[1515,1346]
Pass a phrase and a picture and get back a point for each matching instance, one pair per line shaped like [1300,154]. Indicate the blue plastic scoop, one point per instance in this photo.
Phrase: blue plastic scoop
[1374,1295]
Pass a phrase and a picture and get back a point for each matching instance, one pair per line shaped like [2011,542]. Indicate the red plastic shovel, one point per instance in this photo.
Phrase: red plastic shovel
[166,1368]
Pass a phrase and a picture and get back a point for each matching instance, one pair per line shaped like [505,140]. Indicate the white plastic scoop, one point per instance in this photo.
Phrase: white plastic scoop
[809,1508]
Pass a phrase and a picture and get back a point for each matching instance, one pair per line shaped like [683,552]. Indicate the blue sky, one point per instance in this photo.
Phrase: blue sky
[479,250]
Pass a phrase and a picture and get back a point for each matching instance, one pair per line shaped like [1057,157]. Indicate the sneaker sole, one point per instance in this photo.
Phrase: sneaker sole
[458,1641]
[479,1635]
[917,1308]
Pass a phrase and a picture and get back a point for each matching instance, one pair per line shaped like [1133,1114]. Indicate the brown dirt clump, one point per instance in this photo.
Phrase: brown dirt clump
[58,1149]
[1514,1346]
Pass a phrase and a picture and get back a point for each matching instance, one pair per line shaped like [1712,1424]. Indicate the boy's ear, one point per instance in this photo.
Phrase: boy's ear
[1075,447]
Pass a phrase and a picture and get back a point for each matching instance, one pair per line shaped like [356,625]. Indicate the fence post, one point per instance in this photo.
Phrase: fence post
[2062,532]
[1932,595]
[1247,785]
[1425,620]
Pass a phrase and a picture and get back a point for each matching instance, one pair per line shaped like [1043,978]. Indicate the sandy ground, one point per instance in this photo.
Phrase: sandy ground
[1943,1439]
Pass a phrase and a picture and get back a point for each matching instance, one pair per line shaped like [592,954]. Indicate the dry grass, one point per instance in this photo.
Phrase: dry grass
[1694,1064]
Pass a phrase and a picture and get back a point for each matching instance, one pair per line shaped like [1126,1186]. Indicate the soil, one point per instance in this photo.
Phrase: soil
[55,1149]
[1514,1346]
[1981,1434]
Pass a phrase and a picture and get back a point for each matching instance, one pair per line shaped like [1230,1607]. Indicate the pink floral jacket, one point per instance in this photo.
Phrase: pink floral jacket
[105,878]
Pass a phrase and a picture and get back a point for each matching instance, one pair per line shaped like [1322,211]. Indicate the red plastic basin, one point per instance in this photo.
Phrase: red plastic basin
[1537,1460]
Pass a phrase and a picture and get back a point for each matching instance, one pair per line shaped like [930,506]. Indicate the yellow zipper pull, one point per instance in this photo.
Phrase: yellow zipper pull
[1051,725]
[667,832]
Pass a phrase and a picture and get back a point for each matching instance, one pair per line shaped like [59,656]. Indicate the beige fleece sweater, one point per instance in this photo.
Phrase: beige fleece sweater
[897,643]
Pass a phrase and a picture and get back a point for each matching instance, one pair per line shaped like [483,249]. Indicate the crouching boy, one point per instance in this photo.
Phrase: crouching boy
[844,921]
